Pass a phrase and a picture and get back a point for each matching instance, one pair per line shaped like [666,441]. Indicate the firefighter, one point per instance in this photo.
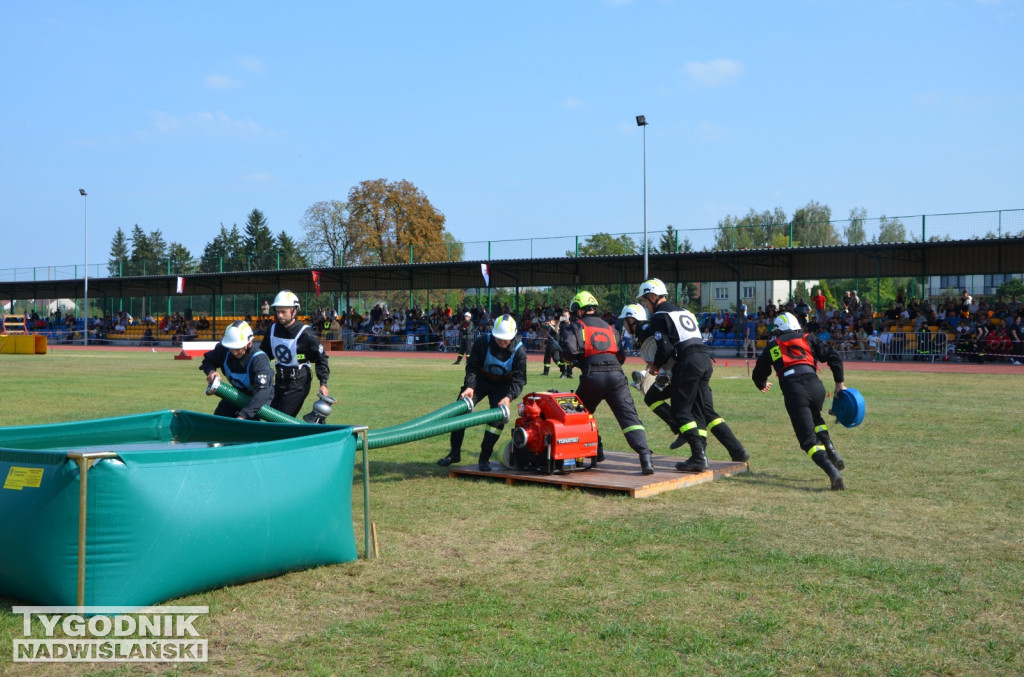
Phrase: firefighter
[466,332]
[794,354]
[495,369]
[296,351]
[246,368]
[677,336]
[552,350]
[590,343]
[634,317]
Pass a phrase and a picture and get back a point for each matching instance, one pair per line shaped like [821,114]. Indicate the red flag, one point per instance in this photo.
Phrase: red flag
[181,285]
[486,270]
[316,281]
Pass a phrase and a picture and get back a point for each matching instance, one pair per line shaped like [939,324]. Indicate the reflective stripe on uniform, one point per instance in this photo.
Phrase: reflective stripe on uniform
[712,424]
[632,428]
[821,428]
[815,448]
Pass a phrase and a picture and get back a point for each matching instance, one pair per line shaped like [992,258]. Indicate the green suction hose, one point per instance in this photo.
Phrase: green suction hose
[382,438]
[456,408]
[229,393]
[444,420]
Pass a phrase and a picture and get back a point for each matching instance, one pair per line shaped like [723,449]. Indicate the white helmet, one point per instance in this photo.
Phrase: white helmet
[504,328]
[237,335]
[787,322]
[634,310]
[652,286]
[467,315]
[285,299]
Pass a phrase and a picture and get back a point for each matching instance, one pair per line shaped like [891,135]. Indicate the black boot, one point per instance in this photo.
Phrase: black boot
[821,460]
[452,457]
[484,464]
[600,450]
[546,370]
[457,359]
[833,455]
[697,462]
[646,464]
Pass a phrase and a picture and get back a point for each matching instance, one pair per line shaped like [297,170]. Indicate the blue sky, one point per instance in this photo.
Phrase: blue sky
[516,119]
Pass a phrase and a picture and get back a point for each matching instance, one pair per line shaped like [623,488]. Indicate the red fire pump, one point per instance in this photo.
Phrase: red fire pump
[554,432]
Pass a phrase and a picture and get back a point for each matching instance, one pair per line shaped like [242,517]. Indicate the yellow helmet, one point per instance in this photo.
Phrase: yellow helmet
[582,300]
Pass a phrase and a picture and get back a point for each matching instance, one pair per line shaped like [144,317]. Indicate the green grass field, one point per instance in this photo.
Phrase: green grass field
[917,569]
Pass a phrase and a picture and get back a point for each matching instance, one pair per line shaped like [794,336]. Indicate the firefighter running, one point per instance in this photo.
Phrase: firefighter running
[656,393]
[495,369]
[589,342]
[677,337]
[794,355]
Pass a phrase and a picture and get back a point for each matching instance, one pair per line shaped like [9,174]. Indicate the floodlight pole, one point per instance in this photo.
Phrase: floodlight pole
[85,293]
[641,121]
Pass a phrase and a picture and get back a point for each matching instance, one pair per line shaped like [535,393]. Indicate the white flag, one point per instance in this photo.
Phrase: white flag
[181,285]
[486,270]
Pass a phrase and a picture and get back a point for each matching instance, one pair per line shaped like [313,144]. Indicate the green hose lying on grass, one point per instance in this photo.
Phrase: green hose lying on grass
[446,419]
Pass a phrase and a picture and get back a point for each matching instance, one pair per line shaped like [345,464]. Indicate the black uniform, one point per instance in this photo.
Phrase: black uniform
[552,350]
[657,398]
[596,348]
[678,335]
[466,332]
[794,356]
[251,375]
[294,349]
[495,373]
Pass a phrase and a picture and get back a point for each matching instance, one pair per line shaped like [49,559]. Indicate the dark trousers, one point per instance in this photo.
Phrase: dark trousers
[494,392]
[691,393]
[611,387]
[289,394]
[804,399]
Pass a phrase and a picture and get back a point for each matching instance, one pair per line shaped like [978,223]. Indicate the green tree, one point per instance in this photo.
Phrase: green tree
[812,226]
[328,234]
[119,254]
[258,243]
[456,251]
[1011,288]
[290,252]
[603,244]
[180,257]
[669,243]
[224,252]
[855,233]
[891,231]
[148,253]
[756,230]
[389,220]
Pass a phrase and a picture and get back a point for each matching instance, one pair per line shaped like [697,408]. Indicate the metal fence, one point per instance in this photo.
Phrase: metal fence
[919,228]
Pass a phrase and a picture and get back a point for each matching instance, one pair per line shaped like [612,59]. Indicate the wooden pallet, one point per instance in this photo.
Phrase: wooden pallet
[620,471]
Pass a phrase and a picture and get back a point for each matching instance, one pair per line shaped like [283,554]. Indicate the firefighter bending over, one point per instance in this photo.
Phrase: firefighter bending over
[495,369]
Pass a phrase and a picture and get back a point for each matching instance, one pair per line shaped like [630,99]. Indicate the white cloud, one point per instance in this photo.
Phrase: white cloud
[221,82]
[213,124]
[259,177]
[572,103]
[714,73]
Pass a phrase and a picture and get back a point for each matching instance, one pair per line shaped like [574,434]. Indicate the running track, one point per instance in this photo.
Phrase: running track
[850,365]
